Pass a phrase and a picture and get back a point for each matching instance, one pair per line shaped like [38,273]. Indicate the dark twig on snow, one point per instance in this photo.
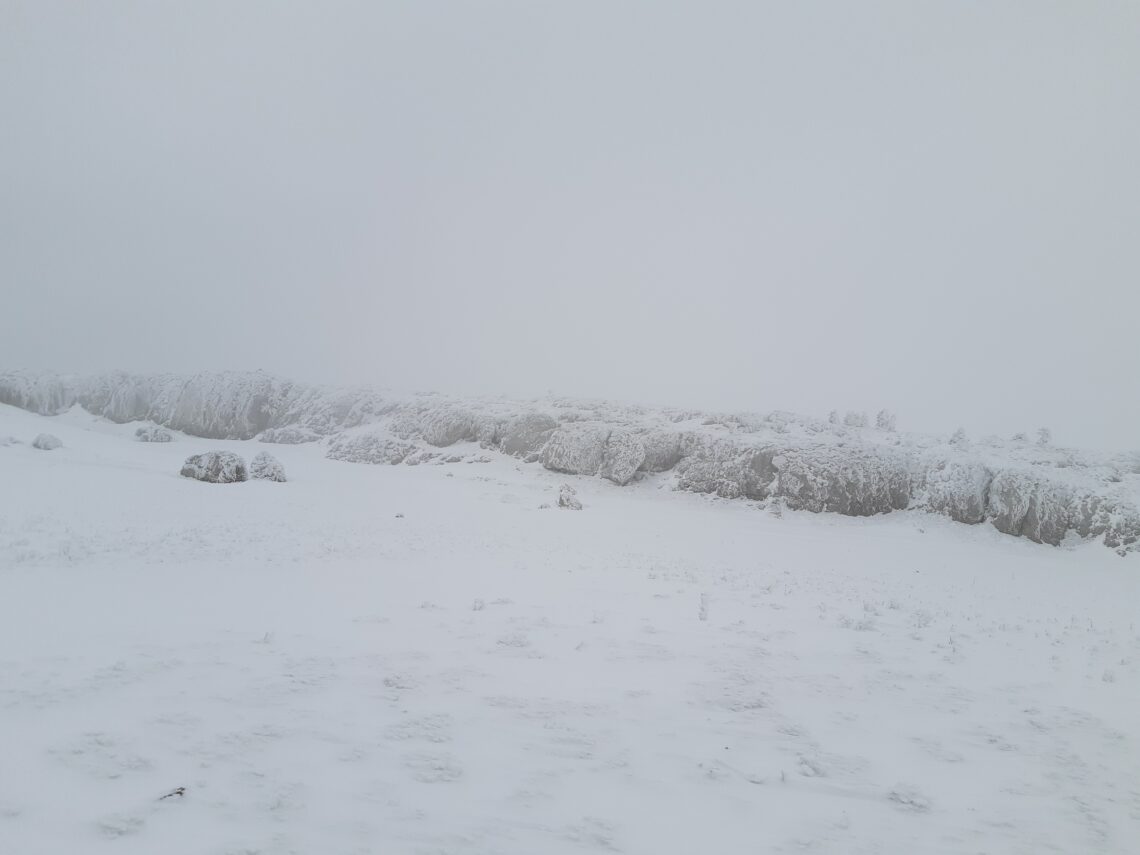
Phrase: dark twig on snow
[177,791]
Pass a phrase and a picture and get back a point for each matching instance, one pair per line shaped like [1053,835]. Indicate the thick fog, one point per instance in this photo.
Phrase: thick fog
[927,207]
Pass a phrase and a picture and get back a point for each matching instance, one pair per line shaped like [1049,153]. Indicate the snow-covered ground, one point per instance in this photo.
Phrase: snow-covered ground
[420,659]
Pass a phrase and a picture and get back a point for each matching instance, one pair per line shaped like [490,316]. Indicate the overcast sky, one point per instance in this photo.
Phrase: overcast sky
[933,207]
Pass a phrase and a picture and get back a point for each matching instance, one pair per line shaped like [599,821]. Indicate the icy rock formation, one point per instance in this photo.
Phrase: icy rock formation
[153,433]
[622,457]
[372,447]
[47,442]
[957,488]
[289,435]
[728,468]
[568,498]
[526,435]
[1029,506]
[216,467]
[662,450]
[577,449]
[38,392]
[266,467]
[857,481]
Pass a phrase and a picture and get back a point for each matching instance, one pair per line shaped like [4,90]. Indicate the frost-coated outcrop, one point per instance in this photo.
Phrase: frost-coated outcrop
[525,436]
[577,449]
[47,442]
[1045,493]
[568,498]
[266,467]
[215,467]
[370,447]
[153,433]
[957,487]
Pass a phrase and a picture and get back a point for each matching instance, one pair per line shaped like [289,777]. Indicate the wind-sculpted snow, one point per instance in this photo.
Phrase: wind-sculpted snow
[1034,490]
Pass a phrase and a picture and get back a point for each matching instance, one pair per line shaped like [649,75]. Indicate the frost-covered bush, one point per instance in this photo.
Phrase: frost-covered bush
[578,449]
[47,442]
[568,498]
[1044,436]
[290,435]
[215,467]
[855,419]
[959,439]
[153,433]
[374,447]
[885,420]
[525,436]
[266,467]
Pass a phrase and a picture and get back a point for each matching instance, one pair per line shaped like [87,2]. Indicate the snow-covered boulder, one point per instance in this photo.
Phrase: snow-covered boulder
[289,435]
[662,450]
[266,467]
[215,467]
[957,488]
[854,480]
[578,449]
[153,433]
[47,442]
[525,436]
[443,426]
[38,392]
[1028,505]
[622,457]
[727,468]
[375,447]
[568,498]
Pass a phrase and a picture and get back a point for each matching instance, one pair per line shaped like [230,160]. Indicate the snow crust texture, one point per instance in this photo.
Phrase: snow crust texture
[215,467]
[1036,491]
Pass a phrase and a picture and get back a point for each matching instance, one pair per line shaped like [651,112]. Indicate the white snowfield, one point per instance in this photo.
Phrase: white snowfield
[420,659]
[1046,494]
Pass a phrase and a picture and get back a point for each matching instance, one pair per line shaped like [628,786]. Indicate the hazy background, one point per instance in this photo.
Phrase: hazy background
[933,207]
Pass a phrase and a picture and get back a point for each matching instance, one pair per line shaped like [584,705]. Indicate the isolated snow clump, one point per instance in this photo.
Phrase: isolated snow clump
[47,442]
[266,467]
[215,467]
[568,498]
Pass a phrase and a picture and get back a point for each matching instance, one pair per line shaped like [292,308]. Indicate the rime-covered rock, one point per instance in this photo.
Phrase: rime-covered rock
[854,480]
[215,467]
[727,468]
[568,498]
[266,467]
[38,392]
[289,435]
[1028,505]
[524,436]
[662,450]
[578,449]
[622,457]
[374,447]
[957,488]
[47,442]
[153,433]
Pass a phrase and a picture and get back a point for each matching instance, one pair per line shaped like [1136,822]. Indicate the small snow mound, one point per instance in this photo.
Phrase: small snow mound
[47,442]
[153,433]
[215,467]
[568,498]
[266,467]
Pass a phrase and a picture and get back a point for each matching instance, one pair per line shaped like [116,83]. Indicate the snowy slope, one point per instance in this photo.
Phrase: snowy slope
[390,659]
[1046,494]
